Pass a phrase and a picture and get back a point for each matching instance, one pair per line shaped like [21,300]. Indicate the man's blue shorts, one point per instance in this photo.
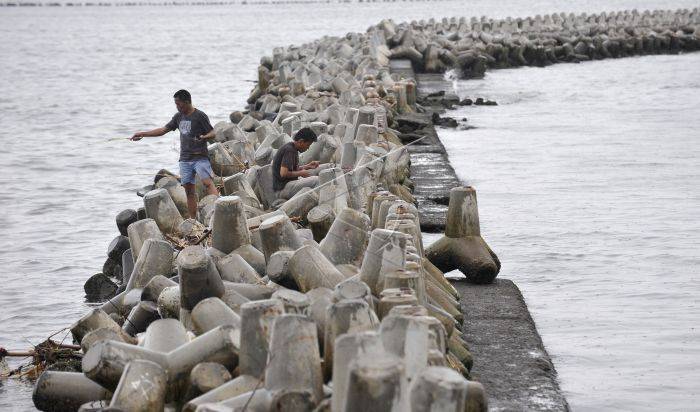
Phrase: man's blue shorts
[201,167]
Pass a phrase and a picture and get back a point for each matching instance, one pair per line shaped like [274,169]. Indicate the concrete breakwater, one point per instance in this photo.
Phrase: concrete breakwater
[470,47]
[324,301]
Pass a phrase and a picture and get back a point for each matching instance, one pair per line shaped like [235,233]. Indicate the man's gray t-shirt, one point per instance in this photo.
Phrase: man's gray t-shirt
[286,156]
[191,126]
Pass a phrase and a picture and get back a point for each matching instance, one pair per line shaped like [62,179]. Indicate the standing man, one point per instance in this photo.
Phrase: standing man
[195,130]
[288,177]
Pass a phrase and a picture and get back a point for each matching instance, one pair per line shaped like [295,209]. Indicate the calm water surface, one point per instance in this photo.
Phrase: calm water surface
[586,174]
[587,178]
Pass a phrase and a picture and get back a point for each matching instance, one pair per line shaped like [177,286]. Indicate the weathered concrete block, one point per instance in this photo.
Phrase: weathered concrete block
[65,391]
[462,247]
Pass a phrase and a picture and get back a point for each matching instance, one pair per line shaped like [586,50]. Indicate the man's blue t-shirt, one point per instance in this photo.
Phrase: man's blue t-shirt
[191,126]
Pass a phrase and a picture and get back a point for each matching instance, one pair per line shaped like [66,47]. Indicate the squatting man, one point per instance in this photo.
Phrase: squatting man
[196,130]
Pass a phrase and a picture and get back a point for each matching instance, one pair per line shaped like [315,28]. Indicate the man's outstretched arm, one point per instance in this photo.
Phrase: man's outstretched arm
[208,136]
[151,133]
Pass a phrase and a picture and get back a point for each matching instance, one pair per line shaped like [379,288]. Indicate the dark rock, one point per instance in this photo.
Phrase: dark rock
[100,287]
[118,246]
[490,103]
[441,200]
[412,121]
[479,101]
[436,94]
[443,121]
[449,122]
[141,213]
[109,267]
[124,219]
[466,102]
[236,117]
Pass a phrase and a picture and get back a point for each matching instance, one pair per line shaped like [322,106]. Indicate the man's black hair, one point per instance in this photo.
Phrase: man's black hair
[306,134]
[183,95]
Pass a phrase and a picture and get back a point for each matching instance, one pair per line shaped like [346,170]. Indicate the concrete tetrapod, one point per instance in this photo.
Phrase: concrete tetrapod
[395,297]
[347,348]
[257,400]
[229,224]
[234,268]
[198,277]
[231,389]
[155,258]
[332,189]
[65,391]
[204,377]
[300,204]
[408,338]
[142,387]
[320,219]
[140,317]
[122,304]
[278,267]
[93,320]
[346,239]
[155,287]
[165,335]
[105,361]
[345,316]
[98,335]
[212,312]
[462,247]
[374,385]
[124,219]
[161,208]
[438,389]
[294,362]
[311,269]
[293,301]
[139,232]
[256,291]
[353,288]
[385,253]
[401,278]
[239,184]
[278,233]
[476,398]
[169,302]
[256,324]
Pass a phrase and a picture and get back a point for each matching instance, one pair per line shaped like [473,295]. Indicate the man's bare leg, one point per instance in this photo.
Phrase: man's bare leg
[191,199]
[211,187]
